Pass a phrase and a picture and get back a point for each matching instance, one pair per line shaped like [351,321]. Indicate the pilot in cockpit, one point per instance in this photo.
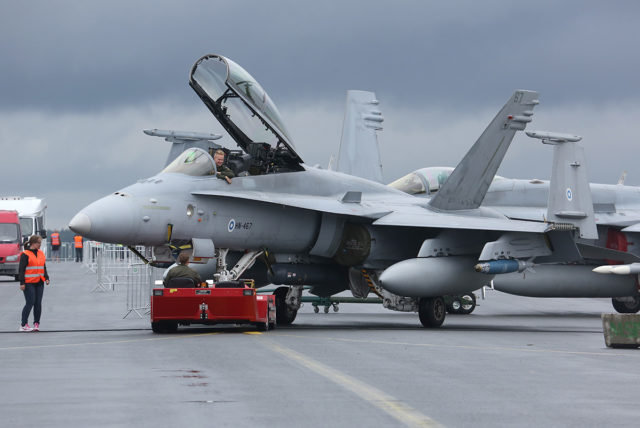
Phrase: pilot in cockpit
[224,172]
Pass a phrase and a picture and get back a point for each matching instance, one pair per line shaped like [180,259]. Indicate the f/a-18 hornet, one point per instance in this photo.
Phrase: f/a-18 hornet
[306,225]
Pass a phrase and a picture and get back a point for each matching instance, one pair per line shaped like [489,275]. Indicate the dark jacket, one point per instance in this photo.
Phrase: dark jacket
[224,171]
[182,271]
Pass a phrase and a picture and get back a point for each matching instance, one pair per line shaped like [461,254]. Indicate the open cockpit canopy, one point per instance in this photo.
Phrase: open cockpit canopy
[193,161]
[245,110]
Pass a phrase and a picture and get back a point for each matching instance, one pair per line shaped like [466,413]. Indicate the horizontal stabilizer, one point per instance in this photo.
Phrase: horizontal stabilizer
[601,253]
[467,185]
[183,140]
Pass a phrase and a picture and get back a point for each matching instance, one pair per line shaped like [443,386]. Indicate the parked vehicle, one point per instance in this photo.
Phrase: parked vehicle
[10,243]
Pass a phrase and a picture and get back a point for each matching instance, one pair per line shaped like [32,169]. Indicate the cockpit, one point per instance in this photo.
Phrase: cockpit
[247,113]
[425,181]
[194,161]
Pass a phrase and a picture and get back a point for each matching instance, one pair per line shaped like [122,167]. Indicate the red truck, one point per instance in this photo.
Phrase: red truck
[233,302]
[10,243]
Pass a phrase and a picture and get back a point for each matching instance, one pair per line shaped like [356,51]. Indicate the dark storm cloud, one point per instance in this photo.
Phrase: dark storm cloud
[92,55]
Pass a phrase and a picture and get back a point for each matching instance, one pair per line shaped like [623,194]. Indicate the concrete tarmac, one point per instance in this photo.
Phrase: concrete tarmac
[514,362]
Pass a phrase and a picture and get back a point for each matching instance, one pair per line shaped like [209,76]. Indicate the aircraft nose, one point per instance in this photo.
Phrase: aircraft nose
[80,224]
[110,219]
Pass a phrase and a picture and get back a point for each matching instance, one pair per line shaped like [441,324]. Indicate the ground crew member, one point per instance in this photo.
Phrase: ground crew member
[224,172]
[182,270]
[55,246]
[77,242]
[32,275]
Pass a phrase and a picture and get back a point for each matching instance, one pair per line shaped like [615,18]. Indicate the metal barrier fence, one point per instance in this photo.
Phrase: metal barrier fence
[117,266]
[140,280]
[66,253]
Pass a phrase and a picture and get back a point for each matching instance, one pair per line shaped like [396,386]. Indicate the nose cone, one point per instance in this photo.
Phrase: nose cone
[110,219]
[81,224]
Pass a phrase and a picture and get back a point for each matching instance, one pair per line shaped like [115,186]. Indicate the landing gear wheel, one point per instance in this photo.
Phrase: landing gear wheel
[326,309]
[335,307]
[454,306]
[468,303]
[284,314]
[624,307]
[316,309]
[431,311]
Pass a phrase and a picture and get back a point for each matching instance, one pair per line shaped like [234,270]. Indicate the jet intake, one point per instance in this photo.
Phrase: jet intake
[299,274]
[433,276]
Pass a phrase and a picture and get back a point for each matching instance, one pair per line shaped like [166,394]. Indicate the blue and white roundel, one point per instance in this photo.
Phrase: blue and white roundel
[231,225]
[569,194]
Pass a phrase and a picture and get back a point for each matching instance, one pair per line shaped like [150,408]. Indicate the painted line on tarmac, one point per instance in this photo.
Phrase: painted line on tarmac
[477,348]
[108,342]
[395,408]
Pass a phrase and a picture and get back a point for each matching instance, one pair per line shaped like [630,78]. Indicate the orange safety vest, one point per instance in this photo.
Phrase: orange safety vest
[34,272]
[55,238]
[78,241]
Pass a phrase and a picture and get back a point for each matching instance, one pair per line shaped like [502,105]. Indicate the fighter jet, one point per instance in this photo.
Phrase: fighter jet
[616,213]
[616,208]
[324,228]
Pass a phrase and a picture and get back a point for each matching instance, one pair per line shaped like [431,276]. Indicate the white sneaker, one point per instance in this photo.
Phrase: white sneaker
[25,328]
[36,326]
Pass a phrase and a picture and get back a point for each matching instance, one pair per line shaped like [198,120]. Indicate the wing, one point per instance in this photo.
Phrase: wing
[420,217]
[344,205]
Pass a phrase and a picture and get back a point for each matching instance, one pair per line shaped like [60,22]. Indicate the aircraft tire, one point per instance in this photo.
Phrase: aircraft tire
[453,307]
[626,308]
[431,311]
[284,315]
[467,308]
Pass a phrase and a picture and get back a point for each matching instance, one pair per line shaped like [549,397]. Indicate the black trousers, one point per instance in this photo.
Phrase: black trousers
[78,254]
[33,299]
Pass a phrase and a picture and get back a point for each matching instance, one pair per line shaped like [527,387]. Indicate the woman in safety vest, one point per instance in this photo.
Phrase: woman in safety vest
[32,275]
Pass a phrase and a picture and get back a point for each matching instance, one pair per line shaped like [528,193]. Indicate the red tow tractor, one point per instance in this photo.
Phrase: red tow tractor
[231,302]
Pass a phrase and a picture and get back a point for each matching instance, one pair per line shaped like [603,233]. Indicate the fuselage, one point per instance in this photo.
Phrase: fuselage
[139,214]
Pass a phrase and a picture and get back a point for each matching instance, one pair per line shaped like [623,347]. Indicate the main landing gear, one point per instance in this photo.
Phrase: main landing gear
[431,311]
[463,304]
[626,305]
[287,304]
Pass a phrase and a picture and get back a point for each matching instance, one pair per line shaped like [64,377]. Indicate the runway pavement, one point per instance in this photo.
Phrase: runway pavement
[514,362]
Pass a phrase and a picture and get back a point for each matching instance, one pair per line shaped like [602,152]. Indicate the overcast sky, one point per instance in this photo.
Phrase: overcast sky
[80,80]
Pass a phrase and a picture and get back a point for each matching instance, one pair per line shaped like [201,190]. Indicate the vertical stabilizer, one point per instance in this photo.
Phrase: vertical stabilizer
[569,192]
[467,185]
[359,153]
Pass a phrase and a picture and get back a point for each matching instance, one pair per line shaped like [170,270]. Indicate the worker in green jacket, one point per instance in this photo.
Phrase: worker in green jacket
[182,270]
